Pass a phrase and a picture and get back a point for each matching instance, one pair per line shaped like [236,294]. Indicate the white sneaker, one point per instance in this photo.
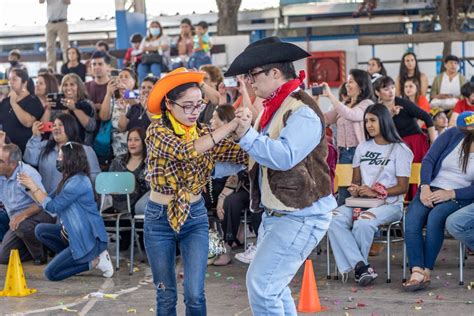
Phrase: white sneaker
[247,256]
[105,264]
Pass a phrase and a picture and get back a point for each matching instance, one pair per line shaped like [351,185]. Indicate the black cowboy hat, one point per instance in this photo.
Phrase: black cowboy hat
[263,52]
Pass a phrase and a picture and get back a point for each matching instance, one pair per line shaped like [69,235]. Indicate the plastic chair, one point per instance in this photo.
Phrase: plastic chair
[115,183]
[342,176]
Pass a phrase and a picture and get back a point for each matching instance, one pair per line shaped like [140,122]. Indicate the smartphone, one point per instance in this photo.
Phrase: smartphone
[57,98]
[131,94]
[317,90]
[231,82]
[47,127]
[114,73]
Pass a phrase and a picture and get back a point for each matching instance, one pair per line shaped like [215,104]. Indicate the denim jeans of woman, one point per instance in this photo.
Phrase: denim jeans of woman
[346,154]
[283,245]
[160,244]
[351,240]
[63,264]
[460,224]
[422,252]
[145,69]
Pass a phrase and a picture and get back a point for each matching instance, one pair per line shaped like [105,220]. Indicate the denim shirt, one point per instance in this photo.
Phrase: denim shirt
[14,196]
[296,141]
[77,210]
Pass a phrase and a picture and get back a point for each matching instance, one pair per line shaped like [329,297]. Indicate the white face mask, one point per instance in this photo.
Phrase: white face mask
[155,31]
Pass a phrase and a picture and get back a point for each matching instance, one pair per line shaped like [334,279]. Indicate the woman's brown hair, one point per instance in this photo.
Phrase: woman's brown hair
[416,83]
[50,82]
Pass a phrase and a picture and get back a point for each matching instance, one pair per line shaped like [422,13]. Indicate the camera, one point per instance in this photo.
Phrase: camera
[317,90]
[57,97]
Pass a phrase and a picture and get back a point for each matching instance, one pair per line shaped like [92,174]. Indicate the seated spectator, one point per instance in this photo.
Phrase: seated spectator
[20,110]
[447,185]
[133,55]
[446,87]
[202,47]
[136,114]
[97,88]
[409,69]
[14,57]
[115,105]
[155,48]
[376,69]
[4,221]
[43,153]
[381,169]
[23,211]
[73,64]
[77,104]
[102,46]
[349,117]
[405,115]
[46,83]
[411,91]
[133,161]
[79,239]
[184,43]
[465,104]
[440,120]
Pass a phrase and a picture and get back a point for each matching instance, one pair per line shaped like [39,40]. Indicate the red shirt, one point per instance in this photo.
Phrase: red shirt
[462,106]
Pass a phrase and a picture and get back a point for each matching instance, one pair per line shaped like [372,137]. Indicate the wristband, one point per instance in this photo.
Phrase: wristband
[213,140]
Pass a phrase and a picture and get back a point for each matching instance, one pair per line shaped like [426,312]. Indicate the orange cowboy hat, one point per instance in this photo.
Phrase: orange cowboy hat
[170,81]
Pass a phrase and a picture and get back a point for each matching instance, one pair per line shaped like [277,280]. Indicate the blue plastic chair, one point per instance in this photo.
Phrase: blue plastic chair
[115,183]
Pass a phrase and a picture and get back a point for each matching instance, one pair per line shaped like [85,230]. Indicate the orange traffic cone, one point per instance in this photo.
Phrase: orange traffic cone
[309,297]
[15,283]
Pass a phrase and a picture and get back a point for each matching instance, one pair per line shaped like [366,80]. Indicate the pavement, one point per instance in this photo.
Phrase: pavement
[226,293]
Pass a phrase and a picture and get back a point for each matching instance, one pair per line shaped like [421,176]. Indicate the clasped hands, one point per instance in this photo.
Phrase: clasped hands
[361,190]
[428,198]
[242,121]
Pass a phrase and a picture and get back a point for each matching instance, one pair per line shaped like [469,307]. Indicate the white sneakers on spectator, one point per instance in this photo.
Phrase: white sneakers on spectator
[105,264]
[247,256]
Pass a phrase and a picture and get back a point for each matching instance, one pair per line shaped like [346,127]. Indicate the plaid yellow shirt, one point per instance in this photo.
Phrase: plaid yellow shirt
[174,167]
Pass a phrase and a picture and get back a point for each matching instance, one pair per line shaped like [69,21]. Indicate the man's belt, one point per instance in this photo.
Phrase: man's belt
[57,21]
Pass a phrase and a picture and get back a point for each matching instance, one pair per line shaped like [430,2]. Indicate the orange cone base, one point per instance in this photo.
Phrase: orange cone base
[309,298]
[15,283]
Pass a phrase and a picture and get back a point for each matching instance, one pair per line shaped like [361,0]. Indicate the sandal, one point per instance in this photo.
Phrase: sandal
[413,285]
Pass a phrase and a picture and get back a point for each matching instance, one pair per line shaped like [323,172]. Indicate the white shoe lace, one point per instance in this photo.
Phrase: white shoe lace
[344,276]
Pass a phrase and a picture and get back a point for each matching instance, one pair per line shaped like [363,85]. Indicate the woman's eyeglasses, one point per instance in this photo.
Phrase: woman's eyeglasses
[189,108]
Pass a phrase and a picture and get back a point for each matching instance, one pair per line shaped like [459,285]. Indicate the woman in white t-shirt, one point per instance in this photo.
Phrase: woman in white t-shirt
[381,169]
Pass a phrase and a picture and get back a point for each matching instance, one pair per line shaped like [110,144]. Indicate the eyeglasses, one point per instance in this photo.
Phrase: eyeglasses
[251,75]
[190,109]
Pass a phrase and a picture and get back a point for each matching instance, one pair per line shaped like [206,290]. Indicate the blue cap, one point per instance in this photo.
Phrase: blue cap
[465,119]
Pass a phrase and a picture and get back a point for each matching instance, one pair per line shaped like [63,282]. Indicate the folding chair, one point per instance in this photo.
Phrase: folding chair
[115,183]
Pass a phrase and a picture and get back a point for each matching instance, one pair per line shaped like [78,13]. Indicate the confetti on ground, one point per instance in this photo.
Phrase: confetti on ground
[469,287]
[393,256]
[469,302]
[471,284]
[142,282]
[136,269]
[349,307]
[131,311]
[111,296]
[430,294]
[361,305]
[234,286]
[69,310]
[446,284]
[437,277]
[347,314]
[337,302]
[449,273]
[443,259]
[418,308]
[207,275]
[439,297]
[217,274]
[350,299]
[420,301]
[354,290]
[229,278]
[151,310]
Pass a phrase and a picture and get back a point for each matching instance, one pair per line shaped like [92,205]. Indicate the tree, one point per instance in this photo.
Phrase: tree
[227,16]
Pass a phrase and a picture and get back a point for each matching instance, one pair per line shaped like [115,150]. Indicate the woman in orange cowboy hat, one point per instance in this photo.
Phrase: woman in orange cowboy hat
[181,154]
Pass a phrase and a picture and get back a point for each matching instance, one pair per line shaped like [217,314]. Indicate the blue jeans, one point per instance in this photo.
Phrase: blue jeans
[283,245]
[351,240]
[144,69]
[63,264]
[199,59]
[4,223]
[423,252]
[460,224]
[346,154]
[160,244]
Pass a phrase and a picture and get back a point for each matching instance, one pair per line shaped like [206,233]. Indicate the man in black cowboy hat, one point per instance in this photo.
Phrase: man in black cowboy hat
[289,175]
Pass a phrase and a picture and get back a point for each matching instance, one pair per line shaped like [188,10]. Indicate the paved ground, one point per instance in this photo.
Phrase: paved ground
[226,293]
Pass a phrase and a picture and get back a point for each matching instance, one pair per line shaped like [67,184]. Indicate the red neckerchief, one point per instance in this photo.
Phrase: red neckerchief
[273,102]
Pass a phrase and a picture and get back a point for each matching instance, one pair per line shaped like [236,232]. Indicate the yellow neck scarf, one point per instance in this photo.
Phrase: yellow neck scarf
[189,132]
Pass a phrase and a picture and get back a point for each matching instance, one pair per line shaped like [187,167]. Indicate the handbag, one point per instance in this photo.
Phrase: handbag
[152,58]
[367,202]
[103,140]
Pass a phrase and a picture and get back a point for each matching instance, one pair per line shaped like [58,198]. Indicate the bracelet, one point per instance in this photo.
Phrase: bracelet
[213,140]
[37,189]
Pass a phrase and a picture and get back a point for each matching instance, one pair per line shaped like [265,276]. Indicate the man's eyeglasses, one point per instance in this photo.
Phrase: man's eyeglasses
[189,108]
[251,75]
